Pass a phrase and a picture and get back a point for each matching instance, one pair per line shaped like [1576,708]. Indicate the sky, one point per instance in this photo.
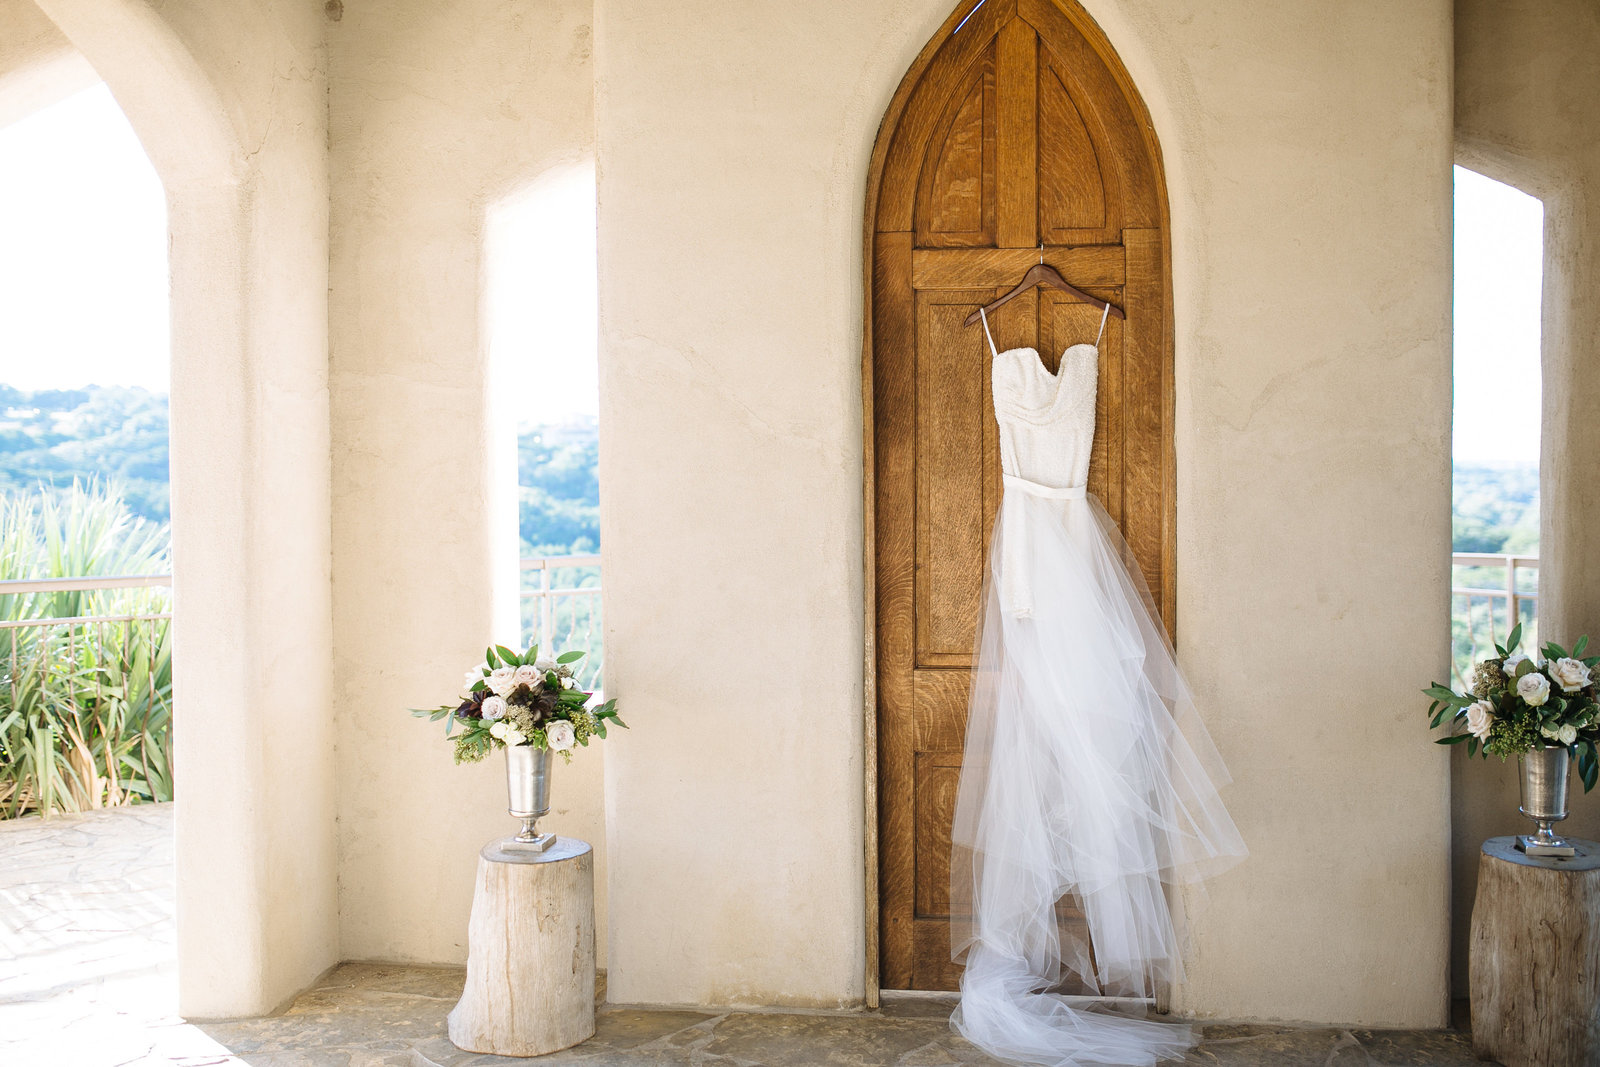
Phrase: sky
[83,280]
[542,308]
[83,251]
[1499,248]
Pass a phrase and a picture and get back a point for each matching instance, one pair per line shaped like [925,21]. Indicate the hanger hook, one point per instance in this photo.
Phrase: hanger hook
[1041,253]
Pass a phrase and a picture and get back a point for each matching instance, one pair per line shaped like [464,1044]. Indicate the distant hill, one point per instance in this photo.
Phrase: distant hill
[1496,508]
[52,436]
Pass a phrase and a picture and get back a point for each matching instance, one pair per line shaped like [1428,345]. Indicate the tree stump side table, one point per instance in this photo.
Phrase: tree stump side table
[1535,964]
[530,952]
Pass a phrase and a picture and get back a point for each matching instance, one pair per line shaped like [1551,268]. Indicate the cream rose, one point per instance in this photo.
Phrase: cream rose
[1480,718]
[1534,688]
[1570,674]
[499,730]
[494,708]
[544,665]
[560,735]
[1513,664]
[502,680]
[1567,734]
[528,674]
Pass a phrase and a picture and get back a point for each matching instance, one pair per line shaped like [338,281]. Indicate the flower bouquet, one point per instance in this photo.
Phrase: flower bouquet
[1516,705]
[510,699]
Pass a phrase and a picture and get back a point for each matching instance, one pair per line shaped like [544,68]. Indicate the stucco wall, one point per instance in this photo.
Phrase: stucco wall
[438,112]
[1308,150]
[1527,92]
[38,65]
[229,101]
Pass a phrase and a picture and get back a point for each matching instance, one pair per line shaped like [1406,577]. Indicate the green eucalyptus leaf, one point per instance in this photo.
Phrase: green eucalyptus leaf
[570,657]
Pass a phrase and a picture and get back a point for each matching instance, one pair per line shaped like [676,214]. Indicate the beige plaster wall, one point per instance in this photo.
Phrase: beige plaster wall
[229,101]
[1308,150]
[438,111]
[38,65]
[1527,98]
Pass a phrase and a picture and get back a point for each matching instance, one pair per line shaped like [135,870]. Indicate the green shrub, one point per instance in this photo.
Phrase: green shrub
[86,701]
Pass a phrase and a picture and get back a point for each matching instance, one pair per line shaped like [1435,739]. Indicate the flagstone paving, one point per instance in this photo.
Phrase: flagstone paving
[88,979]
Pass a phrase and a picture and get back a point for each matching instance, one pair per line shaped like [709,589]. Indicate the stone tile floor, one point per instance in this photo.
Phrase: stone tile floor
[88,979]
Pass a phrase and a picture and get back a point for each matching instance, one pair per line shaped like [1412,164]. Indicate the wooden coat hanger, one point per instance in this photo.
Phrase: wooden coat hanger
[1042,273]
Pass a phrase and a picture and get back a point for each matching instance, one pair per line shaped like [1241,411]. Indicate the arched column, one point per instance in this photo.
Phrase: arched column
[257,893]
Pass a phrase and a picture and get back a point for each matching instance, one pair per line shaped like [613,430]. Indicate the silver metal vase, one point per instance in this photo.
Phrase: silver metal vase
[1544,799]
[528,787]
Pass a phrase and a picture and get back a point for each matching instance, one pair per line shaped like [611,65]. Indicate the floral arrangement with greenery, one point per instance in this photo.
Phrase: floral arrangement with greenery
[1516,704]
[512,699]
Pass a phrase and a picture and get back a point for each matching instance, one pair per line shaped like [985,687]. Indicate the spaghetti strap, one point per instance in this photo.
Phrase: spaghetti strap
[992,350]
[1100,333]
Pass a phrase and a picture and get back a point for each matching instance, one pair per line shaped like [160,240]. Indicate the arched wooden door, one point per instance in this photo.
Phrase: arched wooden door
[1015,127]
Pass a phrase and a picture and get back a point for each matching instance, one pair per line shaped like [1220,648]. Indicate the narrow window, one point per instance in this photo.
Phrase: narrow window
[1499,248]
[543,295]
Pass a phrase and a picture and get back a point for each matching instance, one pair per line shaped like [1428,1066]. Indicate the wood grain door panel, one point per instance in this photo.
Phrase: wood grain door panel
[1021,128]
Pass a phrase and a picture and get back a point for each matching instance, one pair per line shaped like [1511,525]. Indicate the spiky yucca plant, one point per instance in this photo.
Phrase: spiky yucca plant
[85,707]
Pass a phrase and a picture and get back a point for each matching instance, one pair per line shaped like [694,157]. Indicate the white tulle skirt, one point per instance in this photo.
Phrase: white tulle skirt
[1088,776]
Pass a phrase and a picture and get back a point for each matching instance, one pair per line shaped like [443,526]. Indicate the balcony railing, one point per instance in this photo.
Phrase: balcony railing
[561,610]
[1489,594]
[86,678]
[85,692]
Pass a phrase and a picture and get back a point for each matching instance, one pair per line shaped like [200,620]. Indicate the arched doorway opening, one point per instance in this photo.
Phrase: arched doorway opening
[1016,134]
[257,912]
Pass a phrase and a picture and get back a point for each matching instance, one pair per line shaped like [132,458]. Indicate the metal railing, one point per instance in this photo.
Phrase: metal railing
[561,609]
[1489,594]
[85,692]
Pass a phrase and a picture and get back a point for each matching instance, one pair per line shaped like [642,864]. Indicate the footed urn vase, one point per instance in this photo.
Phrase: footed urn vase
[1544,799]
[528,792]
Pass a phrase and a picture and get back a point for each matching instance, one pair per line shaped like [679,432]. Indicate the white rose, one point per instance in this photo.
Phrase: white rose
[544,665]
[528,674]
[499,729]
[494,708]
[1509,667]
[1570,674]
[1567,734]
[472,678]
[560,736]
[514,736]
[569,682]
[1480,717]
[502,680]
[1534,688]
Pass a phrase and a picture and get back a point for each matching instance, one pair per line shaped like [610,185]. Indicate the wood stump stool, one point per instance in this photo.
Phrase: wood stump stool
[1535,970]
[530,952]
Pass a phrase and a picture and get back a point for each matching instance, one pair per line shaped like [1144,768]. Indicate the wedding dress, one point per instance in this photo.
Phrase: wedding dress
[1087,774]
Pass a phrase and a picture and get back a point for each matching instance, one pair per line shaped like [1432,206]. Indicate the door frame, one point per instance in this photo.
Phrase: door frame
[1166,595]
